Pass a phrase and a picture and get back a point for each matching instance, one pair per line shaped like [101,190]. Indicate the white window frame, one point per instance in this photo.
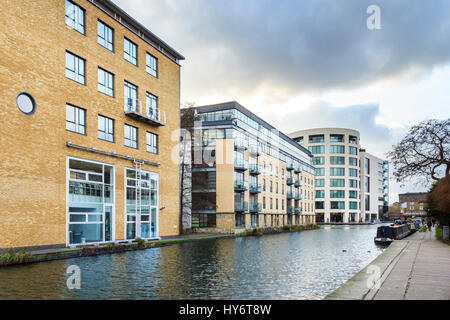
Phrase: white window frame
[105,35]
[130,138]
[130,51]
[151,64]
[77,119]
[78,21]
[79,68]
[107,86]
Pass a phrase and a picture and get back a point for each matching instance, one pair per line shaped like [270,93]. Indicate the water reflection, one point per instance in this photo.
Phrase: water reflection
[305,265]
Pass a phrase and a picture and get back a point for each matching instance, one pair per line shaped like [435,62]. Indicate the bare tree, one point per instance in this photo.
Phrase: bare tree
[424,152]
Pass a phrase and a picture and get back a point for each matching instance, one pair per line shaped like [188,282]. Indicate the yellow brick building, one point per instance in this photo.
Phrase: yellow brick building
[246,174]
[89,98]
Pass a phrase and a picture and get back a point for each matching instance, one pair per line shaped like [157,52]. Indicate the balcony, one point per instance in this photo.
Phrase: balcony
[241,206]
[255,169]
[289,195]
[289,181]
[240,165]
[298,210]
[255,207]
[255,150]
[240,144]
[289,165]
[290,210]
[297,196]
[255,188]
[240,186]
[298,183]
[140,111]
[297,168]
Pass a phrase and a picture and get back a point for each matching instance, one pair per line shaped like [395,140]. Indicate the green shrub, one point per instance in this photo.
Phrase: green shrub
[141,243]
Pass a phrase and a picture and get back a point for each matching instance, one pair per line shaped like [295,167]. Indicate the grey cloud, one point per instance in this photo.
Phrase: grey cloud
[299,46]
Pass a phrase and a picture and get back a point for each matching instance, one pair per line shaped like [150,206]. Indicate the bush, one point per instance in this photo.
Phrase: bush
[141,243]
[11,257]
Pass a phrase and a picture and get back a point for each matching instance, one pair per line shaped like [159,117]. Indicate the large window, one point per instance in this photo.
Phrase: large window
[105,82]
[353,205]
[337,182]
[367,165]
[75,119]
[337,204]
[353,194]
[337,194]
[353,161]
[353,183]
[337,149]
[320,193]
[130,51]
[90,202]
[367,184]
[141,204]
[130,136]
[352,172]
[75,68]
[367,202]
[203,220]
[337,171]
[320,205]
[152,142]
[74,16]
[151,64]
[337,160]
[336,138]
[316,138]
[152,105]
[317,149]
[105,128]
[320,182]
[320,171]
[318,160]
[105,36]
[353,150]
[130,95]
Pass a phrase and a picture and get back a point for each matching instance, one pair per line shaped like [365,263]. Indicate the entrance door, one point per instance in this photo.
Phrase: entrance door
[108,223]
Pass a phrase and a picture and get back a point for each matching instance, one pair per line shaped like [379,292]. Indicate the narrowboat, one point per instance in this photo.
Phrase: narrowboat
[387,234]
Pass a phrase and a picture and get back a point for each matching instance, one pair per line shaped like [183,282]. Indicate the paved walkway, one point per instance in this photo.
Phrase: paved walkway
[416,268]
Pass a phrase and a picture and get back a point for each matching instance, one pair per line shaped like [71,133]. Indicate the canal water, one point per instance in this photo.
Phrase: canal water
[301,265]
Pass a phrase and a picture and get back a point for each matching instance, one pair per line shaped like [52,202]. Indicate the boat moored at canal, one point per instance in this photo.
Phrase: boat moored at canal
[387,234]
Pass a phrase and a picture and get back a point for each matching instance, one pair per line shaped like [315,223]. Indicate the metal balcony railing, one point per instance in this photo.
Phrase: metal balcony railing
[297,168]
[240,143]
[289,195]
[298,210]
[240,186]
[290,166]
[255,169]
[255,207]
[141,111]
[255,149]
[290,210]
[240,165]
[255,188]
[289,181]
[241,206]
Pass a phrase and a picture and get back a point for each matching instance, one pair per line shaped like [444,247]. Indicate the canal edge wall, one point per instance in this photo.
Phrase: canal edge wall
[18,257]
[362,286]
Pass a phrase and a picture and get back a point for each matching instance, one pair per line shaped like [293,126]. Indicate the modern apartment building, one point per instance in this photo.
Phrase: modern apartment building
[246,174]
[351,185]
[89,99]
[413,204]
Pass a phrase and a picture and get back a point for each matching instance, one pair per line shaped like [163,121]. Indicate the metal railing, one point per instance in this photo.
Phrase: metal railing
[255,188]
[255,207]
[240,185]
[255,169]
[145,110]
[240,165]
[241,206]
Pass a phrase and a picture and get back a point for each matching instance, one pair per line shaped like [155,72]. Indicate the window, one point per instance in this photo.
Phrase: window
[336,138]
[320,205]
[316,138]
[337,194]
[337,182]
[105,82]
[264,202]
[353,194]
[151,64]
[353,150]
[271,203]
[318,160]
[203,220]
[105,35]
[367,202]
[367,184]
[337,204]
[353,161]
[75,67]
[320,183]
[337,160]
[352,172]
[75,119]
[317,149]
[151,105]
[74,16]
[320,193]
[320,171]
[130,94]
[130,51]
[337,149]
[353,183]
[337,171]
[105,128]
[271,185]
[367,165]
[152,142]
[353,205]
[130,136]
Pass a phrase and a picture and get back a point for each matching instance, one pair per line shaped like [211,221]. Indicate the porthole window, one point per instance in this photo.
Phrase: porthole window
[26,103]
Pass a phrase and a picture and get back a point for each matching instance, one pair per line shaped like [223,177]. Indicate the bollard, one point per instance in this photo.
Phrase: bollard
[445,232]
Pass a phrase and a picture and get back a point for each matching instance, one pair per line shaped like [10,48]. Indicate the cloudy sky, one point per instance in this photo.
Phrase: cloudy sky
[313,63]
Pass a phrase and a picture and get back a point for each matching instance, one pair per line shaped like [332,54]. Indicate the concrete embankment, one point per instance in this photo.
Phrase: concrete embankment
[414,268]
